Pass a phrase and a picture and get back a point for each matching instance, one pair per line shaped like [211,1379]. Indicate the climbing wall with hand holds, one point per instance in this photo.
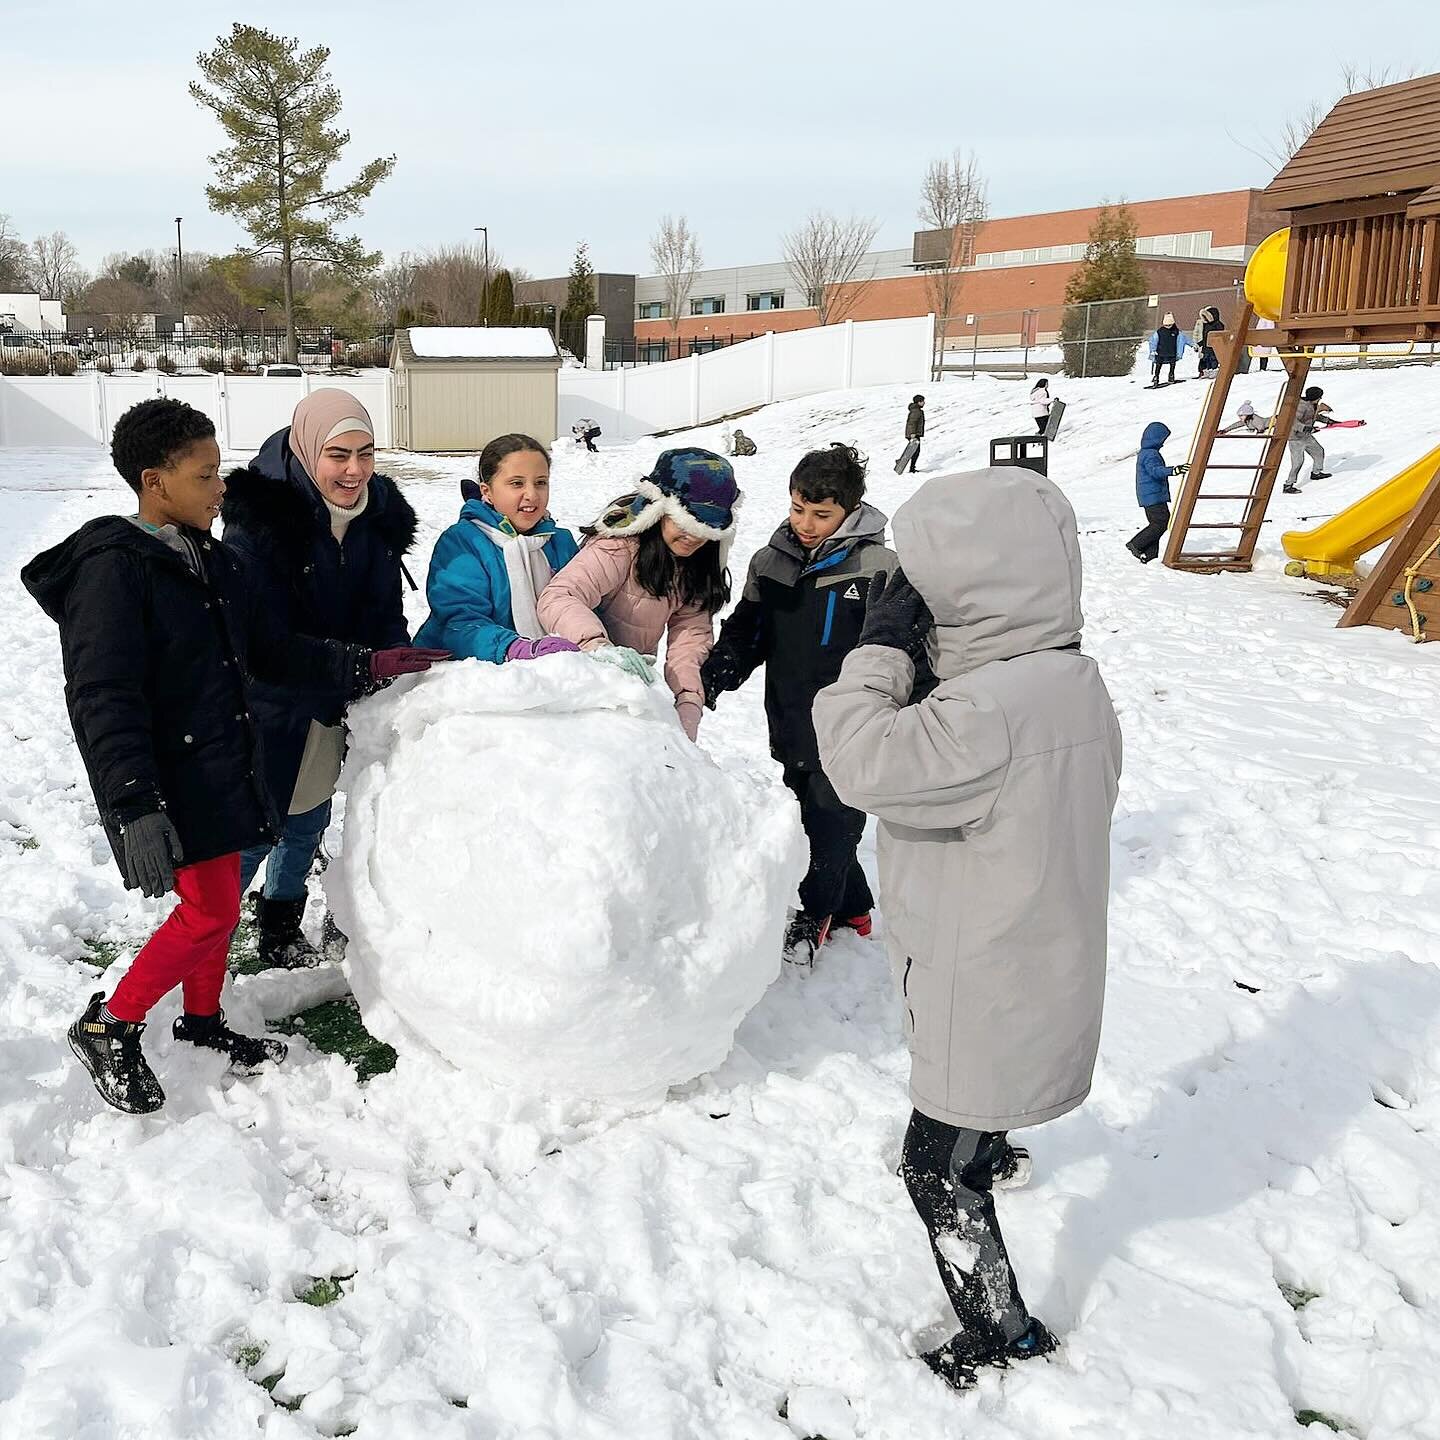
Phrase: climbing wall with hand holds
[1402,592]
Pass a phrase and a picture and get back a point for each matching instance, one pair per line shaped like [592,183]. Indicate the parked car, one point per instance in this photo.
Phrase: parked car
[292,372]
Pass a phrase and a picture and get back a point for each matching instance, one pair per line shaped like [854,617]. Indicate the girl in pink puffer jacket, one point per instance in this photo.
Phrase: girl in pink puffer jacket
[653,564]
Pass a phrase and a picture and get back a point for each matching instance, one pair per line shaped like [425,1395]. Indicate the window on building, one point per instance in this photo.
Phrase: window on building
[654,352]
[652,309]
[708,305]
[766,300]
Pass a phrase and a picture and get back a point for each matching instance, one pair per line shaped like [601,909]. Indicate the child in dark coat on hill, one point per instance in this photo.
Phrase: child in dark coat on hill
[800,616]
[159,629]
[1152,490]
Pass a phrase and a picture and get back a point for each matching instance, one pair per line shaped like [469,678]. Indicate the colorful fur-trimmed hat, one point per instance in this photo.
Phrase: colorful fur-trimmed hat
[695,488]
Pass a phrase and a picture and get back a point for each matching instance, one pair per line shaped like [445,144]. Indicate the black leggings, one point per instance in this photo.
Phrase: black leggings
[1156,365]
[948,1172]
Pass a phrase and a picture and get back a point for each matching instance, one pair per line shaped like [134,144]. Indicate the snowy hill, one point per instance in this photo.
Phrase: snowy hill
[1238,1234]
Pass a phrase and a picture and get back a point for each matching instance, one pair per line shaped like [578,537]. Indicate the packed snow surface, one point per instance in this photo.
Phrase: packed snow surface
[1239,1231]
[547,884]
[482,342]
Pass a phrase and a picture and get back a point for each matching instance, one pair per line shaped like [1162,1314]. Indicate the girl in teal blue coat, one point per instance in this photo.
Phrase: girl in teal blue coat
[489,567]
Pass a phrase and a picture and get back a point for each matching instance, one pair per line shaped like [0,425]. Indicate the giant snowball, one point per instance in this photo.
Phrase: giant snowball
[546,883]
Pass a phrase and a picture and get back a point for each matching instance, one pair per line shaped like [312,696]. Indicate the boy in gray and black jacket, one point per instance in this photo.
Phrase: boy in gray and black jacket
[800,615]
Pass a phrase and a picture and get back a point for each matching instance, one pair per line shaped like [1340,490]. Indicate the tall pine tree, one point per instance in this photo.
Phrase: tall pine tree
[502,299]
[580,297]
[1104,299]
[276,105]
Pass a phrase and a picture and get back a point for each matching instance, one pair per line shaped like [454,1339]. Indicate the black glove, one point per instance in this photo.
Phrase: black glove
[718,674]
[896,615]
[1180,469]
[152,851]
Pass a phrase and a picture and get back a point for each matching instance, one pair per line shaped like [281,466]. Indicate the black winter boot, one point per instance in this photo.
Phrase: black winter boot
[283,945]
[246,1052]
[959,1358]
[110,1051]
[804,936]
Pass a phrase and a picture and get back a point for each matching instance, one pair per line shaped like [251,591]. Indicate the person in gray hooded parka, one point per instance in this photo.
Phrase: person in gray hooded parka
[995,794]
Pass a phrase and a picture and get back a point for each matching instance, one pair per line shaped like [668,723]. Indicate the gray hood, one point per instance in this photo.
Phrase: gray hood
[996,556]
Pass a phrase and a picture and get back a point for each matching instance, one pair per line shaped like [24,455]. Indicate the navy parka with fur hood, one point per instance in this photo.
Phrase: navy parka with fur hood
[276,521]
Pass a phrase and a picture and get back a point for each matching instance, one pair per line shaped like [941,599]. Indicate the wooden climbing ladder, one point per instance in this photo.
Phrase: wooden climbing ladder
[1241,476]
[1402,592]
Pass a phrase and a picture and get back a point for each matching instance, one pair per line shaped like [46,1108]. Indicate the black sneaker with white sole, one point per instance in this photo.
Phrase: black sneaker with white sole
[110,1051]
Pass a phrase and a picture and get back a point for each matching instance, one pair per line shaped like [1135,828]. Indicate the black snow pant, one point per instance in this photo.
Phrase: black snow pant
[590,445]
[949,1172]
[1157,365]
[915,458]
[1146,542]
[1041,421]
[835,883]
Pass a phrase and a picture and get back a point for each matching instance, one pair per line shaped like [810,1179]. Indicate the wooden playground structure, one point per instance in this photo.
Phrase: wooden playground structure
[1359,265]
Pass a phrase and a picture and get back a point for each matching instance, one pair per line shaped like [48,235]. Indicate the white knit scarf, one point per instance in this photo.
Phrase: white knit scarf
[528,571]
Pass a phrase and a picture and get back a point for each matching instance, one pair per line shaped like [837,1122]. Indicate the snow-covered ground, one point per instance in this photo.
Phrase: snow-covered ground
[1240,1228]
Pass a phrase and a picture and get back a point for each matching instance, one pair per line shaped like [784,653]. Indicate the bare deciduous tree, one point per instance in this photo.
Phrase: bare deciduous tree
[14,258]
[954,199]
[1280,148]
[826,255]
[55,266]
[675,253]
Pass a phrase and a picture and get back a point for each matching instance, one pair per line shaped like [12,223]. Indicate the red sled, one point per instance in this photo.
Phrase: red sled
[1345,425]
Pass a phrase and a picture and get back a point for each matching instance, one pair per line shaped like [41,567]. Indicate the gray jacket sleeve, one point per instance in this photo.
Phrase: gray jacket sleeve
[938,765]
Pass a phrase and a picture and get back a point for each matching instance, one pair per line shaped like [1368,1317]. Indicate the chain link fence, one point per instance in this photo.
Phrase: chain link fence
[1107,337]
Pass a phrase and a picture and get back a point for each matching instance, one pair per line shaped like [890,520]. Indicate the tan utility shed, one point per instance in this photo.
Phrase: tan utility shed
[457,387]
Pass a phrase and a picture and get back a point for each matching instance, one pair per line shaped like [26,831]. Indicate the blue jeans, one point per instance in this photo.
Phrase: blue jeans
[291,859]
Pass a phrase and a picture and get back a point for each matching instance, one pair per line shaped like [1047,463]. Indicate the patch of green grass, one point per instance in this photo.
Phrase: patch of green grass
[336,1028]
[245,945]
[1297,1297]
[102,954]
[28,842]
[268,1385]
[1319,1417]
[249,1355]
[322,1290]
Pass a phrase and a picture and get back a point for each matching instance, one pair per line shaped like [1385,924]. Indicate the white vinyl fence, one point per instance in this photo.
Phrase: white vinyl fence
[702,388]
[81,410]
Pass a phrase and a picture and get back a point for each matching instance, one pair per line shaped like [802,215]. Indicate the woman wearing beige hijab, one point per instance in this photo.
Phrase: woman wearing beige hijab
[324,536]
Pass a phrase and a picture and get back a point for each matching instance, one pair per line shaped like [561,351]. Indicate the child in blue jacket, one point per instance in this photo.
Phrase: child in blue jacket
[1152,490]
[490,566]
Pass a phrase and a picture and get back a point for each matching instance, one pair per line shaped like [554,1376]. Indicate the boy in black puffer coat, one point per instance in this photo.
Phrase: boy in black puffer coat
[800,616]
[331,567]
[158,631]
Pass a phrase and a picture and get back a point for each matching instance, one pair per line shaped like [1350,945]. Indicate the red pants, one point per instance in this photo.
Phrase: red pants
[189,949]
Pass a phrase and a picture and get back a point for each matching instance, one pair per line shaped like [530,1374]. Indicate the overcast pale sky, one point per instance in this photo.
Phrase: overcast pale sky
[555,120]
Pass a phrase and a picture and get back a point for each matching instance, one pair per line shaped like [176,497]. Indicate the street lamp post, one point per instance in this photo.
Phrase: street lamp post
[485,301]
[180,279]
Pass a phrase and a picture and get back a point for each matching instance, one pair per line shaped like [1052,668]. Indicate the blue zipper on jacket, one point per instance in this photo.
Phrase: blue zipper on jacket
[829,616]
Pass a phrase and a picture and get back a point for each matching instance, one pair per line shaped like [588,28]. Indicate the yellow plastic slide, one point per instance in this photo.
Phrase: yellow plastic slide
[1330,551]
[1265,274]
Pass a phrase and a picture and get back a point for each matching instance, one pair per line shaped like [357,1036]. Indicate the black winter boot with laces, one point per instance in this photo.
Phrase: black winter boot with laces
[110,1051]
[246,1052]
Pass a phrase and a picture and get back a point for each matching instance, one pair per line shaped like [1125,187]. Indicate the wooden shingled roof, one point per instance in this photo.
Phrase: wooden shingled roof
[1372,143]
